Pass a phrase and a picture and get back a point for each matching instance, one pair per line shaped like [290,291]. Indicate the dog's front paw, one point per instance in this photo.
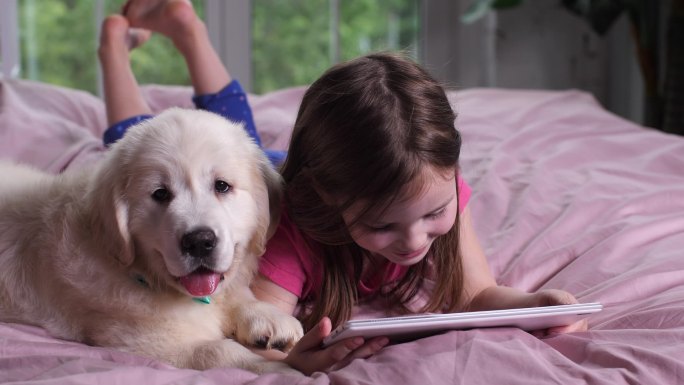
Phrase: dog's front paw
[265,326]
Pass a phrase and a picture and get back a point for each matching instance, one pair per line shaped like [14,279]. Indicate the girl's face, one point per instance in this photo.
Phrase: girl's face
[404,232]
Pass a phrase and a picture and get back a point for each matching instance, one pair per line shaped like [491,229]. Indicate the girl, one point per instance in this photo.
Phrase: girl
[376,209]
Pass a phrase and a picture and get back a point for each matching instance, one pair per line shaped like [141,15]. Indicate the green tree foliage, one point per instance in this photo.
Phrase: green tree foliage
[290,42]
[291,39]
[57,42]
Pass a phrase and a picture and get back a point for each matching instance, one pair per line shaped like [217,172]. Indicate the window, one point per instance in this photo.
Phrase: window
[289,42]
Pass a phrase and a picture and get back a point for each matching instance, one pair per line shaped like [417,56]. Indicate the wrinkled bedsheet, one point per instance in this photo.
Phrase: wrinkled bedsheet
[565,195]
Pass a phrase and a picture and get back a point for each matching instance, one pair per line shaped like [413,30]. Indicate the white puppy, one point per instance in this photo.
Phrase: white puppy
[151,250]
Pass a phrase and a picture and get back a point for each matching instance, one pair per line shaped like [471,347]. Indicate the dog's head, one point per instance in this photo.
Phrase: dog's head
[188,196]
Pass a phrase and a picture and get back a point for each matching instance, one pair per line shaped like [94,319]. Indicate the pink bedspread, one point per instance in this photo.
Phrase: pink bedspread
[565,195]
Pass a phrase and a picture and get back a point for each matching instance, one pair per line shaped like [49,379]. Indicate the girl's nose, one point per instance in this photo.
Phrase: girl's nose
[414,238]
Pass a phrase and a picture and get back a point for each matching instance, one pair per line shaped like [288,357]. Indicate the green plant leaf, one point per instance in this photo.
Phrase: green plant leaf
[477,10]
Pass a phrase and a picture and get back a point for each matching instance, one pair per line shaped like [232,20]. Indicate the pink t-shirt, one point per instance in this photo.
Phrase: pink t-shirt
[290,260]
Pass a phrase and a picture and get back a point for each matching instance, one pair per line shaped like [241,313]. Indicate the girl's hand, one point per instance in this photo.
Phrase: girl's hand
[552,297]
[308,356]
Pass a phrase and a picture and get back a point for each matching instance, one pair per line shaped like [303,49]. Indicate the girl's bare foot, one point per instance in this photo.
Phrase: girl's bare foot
[171,18]
[118,38]
[121,92]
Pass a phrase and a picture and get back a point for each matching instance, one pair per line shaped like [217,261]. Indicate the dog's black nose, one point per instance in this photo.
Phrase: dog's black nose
[199,243]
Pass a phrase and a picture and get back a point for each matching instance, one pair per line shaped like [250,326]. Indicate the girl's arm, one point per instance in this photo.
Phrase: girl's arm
[307,356]
[268,291]
[476,273]
[483,293]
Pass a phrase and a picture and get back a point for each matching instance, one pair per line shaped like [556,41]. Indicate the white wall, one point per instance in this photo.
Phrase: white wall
[542,45]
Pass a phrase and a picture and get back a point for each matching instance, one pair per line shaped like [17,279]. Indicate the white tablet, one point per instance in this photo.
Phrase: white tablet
[415,326]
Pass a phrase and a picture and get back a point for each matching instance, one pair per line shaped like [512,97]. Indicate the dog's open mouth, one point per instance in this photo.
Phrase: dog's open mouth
[201,282]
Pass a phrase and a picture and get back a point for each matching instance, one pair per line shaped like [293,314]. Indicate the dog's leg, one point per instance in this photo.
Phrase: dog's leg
[185,347]
[229,353]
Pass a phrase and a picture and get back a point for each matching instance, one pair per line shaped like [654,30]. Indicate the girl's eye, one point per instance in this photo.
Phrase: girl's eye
[437,213]
[222,187]
[161,195]
[379,229]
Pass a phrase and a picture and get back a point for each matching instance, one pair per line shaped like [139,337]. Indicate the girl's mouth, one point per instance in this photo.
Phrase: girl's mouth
[412,254]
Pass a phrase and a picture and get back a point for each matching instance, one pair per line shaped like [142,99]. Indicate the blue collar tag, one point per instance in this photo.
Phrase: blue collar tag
[205,300]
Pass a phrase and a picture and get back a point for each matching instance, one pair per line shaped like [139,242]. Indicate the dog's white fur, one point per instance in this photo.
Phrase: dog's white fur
[91,256]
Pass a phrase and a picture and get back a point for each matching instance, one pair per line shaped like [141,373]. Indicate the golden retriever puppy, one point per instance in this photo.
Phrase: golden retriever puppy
[151,250]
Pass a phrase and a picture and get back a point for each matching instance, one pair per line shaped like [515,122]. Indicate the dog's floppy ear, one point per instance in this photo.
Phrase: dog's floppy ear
[109,213]
[270,189]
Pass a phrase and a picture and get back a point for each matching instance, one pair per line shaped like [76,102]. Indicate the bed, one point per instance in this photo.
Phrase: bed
[565,195]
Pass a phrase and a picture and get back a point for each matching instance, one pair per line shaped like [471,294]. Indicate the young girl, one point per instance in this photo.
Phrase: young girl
[376,209]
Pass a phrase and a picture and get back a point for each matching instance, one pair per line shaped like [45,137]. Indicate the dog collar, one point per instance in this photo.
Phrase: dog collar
[140,279]
[205,300]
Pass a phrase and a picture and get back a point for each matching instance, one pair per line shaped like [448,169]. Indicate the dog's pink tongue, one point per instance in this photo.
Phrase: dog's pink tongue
[201,283]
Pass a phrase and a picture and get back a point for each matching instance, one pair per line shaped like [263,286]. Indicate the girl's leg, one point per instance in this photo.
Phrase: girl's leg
[124,102]
[214,87]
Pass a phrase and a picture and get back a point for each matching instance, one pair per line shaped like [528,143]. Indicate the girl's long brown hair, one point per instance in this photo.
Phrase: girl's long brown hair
[364,131]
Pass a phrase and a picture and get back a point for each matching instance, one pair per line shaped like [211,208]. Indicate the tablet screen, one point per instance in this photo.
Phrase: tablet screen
[409,327]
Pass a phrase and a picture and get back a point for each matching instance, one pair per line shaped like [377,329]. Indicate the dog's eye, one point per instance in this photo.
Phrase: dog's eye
[161,195]
[222,187]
